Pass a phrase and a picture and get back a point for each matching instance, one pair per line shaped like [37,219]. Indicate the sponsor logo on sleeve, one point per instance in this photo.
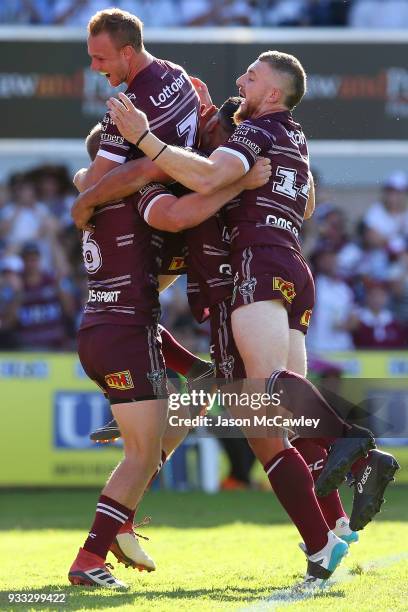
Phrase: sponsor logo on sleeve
[177,263]
[305,318]
[120,380]
[286,288]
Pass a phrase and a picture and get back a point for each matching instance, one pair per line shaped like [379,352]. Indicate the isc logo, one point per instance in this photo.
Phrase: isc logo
[76,414]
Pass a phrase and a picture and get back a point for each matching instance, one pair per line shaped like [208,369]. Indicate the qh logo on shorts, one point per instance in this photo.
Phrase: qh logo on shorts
[120,380]
[305,318]
[286,288]
[177,263]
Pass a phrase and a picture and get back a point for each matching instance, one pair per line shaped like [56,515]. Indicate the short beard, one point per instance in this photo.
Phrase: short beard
[242,114]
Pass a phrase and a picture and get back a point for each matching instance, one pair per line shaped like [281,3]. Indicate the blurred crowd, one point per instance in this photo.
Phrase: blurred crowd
[173,13]
[360,267]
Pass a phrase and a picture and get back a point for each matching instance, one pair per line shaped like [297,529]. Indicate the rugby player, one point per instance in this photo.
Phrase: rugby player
[207,262]
[161,88]
[273,293]
[126,546]
[119,348]
[209,289]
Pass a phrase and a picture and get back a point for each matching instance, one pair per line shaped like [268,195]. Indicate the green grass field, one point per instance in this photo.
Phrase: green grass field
[230,551]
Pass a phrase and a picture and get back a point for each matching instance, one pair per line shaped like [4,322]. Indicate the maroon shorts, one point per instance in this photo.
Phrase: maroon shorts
[224,353]
[126,362]
[264,273]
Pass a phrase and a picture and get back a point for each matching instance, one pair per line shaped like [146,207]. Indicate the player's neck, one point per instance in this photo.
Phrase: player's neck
[141,61]
[279,108]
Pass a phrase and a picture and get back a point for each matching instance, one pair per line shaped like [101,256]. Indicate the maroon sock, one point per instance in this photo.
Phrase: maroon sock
[315,457]
[293,485]
[109,517]
[302,399]
[177,357]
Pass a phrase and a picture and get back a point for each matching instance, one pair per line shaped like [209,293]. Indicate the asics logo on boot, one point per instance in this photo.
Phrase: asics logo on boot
[364,479]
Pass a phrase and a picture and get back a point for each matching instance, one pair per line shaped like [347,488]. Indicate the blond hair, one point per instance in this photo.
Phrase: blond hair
[122,27]
[289,65]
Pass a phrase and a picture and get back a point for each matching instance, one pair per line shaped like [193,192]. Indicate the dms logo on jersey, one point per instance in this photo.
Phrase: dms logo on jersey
[177,263]
[305,318]
[76,414]
[286,288]
[120,380]
[169,92]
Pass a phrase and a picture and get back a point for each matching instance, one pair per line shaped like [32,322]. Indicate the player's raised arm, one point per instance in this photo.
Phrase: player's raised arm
[204,176]
[166,212]
[310,205]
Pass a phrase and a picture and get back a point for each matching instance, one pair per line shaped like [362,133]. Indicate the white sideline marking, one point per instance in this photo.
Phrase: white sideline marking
[286,597]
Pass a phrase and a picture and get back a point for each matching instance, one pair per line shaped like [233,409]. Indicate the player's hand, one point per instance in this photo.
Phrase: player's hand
[206,115]
[203,93]
[81,212]
[130,121]
[258,175]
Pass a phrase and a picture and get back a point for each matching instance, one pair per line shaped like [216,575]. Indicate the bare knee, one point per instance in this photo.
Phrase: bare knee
[144,456]
[266,448]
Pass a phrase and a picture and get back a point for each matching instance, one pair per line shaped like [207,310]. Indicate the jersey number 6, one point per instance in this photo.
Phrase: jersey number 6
[91,253]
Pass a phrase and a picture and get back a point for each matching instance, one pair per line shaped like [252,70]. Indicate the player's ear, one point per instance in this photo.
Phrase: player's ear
[275,95]
[127,52]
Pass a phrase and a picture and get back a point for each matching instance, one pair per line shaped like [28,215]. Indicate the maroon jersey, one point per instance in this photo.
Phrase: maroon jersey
[120,259]
[209,277]
[273,214]
[165,93]
[173,252]
[41,321]
[209,269]
[379,331]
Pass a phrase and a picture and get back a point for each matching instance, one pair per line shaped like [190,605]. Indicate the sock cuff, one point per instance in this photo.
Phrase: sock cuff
[272,463]
[270,383]
[122,512]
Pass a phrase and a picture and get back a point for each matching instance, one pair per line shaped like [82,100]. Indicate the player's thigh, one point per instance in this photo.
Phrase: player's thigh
[224,352]
[261,333]
[142,425]
[297,359]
